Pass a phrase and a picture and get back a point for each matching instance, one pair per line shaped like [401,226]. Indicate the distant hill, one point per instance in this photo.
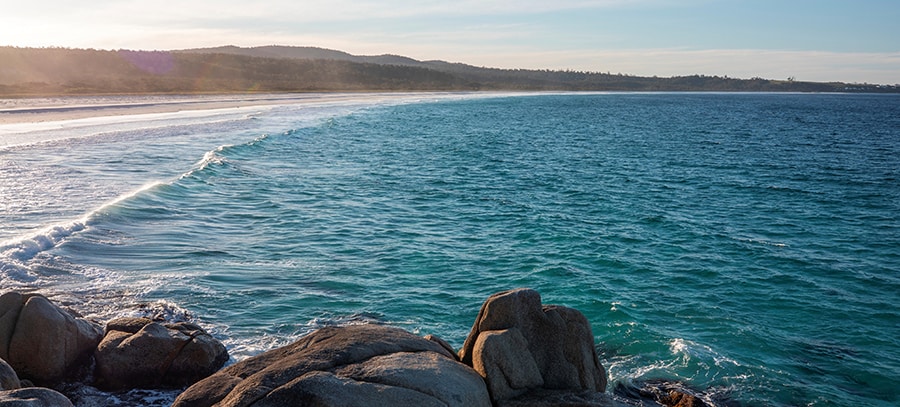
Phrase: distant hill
[229,69]
[308,53]
[60,71]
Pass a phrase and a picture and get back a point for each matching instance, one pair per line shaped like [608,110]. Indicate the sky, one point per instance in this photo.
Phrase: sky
[855,41]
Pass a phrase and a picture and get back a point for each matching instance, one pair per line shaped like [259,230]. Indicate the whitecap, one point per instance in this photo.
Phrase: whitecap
[23,248]
[693,350]
[209,158]
[26,247]
[160,310]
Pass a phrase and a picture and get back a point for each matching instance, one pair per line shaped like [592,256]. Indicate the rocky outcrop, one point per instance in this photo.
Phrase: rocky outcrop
[33,397]
[341,366]
[41,341]
[15,393]
[140,353]
[9,380]
[519,346]
[518,353]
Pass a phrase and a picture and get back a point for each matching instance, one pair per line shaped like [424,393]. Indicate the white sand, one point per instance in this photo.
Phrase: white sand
[42,110]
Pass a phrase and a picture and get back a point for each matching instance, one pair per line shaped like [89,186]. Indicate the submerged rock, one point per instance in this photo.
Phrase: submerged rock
[520,346]
[358,365]
[41,341]
[666,393]
[140,353]
[566,398]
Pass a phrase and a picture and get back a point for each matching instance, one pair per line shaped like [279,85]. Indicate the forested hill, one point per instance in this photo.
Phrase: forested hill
[62,71]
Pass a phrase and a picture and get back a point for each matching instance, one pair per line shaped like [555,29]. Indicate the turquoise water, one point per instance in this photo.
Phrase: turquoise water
[747,245]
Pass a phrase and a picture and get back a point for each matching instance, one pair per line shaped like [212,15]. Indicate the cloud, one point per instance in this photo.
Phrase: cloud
[200,11]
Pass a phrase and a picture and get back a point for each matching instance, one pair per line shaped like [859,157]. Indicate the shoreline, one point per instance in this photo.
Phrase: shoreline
[59,108]
[49,109]
[132,359]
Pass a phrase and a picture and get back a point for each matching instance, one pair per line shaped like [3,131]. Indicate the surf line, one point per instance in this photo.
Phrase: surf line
[24,248]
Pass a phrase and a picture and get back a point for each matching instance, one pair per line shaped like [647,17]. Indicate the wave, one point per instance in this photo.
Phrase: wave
[210,157]
[25,248]
[689,351]
[15,252]
[217,156]
[19,250]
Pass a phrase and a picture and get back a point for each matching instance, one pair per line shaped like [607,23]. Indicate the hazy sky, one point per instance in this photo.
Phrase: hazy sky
[816,40]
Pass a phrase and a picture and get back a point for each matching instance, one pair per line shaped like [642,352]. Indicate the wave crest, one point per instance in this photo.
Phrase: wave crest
[25,248]
[16,251]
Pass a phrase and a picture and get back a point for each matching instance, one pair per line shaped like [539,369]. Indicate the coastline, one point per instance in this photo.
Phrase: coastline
[548,349]
[45,109]
[41,114]
[338,277]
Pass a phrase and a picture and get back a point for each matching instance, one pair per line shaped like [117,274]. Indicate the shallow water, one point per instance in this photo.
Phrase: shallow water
[745,244]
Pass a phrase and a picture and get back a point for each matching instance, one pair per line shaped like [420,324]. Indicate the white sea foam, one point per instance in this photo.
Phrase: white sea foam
[160,310]
[212,157]
[23,248]
[692,350]
[20,134]
[15,134]
[628,368]
[678,345]
[89,396]
[762,242]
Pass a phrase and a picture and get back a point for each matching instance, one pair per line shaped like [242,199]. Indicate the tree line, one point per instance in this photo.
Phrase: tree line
[64,71]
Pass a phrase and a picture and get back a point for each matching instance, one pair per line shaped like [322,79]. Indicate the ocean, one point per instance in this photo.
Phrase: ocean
[745,245]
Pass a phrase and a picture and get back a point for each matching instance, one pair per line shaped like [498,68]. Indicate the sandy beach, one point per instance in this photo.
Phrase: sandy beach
[35,120]
[40,110]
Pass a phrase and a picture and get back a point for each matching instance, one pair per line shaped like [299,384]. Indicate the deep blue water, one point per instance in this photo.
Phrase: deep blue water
[745,244]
